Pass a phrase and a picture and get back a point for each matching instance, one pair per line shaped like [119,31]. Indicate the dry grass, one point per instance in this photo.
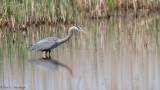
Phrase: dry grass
[22,13]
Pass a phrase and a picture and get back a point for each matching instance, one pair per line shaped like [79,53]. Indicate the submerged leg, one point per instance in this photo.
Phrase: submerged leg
[49,52]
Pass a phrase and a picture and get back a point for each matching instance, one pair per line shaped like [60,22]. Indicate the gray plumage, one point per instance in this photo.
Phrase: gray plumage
[45,44]
[52,42]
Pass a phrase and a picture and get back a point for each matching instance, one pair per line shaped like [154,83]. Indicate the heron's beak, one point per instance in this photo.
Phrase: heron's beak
[83,31]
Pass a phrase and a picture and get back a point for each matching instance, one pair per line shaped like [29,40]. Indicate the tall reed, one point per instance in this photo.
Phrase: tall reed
[18,13]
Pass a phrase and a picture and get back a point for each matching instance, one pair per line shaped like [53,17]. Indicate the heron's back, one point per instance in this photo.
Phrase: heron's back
[44,44]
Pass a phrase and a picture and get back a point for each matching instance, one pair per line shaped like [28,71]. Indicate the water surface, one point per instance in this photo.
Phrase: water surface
[119,53]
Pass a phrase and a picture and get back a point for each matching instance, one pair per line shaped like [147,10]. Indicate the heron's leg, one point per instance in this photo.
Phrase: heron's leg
[49,52]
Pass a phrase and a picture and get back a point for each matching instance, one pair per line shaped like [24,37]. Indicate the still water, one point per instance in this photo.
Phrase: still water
[119,53]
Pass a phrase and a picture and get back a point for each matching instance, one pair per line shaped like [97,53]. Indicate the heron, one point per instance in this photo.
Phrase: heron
[45,45]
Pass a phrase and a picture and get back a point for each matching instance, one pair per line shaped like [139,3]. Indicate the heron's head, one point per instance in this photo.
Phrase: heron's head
[78,29]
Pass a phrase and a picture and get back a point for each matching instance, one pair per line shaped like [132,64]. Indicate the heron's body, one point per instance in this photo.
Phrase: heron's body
[45,44]
[49,43]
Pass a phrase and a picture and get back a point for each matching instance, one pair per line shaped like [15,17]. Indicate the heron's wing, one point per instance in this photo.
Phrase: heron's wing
[48,39]
[44,44]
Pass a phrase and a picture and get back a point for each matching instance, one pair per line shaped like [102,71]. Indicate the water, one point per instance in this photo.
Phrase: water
[119,53]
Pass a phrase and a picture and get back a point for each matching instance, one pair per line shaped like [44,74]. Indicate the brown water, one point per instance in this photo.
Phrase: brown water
[119,53]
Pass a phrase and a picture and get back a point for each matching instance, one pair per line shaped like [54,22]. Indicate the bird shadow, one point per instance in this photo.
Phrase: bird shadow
[49,64]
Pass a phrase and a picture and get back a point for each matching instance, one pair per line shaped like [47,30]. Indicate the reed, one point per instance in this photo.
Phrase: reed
[18,13]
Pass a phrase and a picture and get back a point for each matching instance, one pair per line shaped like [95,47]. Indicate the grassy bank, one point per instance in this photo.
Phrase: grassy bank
[22,13]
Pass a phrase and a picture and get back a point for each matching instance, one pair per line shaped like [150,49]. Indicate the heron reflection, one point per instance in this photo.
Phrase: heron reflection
[49,64]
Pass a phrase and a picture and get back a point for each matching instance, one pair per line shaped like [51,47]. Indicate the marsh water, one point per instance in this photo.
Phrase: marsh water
[119,53]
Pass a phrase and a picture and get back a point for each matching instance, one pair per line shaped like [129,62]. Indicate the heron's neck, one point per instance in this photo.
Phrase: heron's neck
[66,38]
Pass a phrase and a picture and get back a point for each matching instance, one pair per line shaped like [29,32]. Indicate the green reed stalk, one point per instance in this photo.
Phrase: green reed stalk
[112,4]
[25,11]
[67,4]
[8,2]
[94,6]
[17,13]
[49,6]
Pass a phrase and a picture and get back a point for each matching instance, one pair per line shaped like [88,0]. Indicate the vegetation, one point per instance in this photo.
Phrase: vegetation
[22,13]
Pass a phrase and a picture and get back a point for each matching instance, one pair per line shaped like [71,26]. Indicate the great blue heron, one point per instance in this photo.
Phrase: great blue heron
[46,44]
